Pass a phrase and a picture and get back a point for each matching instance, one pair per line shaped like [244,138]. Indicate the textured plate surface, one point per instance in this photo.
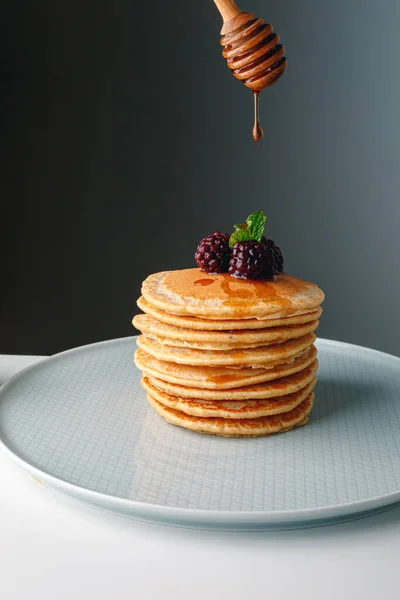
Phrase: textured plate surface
[79,422]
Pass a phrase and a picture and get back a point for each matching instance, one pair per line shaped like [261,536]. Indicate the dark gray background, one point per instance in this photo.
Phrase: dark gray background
[125,140]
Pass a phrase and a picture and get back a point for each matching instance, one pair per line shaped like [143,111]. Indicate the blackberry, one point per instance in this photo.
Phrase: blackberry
[251,260]
[274,252]
[213,253]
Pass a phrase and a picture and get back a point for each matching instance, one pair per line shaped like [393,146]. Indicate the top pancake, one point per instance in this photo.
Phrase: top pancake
[199,324]
[193,293]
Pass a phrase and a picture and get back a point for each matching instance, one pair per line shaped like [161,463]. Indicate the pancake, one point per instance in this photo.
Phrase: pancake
[251,357]
[270,389]
[218,340]
[193,293]
[225,409]
[227,324]
[218,377]
[261,426]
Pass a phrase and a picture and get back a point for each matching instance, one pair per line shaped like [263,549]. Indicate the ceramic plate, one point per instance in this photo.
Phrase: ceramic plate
[80,423]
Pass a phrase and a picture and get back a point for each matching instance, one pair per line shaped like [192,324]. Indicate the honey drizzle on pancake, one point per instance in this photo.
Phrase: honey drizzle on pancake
[204,282]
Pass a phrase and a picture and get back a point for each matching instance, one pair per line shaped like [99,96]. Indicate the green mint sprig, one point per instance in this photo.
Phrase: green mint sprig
[253,229]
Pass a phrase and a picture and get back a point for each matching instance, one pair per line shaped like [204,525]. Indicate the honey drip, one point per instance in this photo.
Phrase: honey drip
[257,129]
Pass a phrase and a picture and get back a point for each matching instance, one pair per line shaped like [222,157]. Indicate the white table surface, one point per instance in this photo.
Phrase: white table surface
[52,547]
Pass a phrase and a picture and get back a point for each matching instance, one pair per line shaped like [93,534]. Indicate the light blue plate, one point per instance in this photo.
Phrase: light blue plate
[79,422]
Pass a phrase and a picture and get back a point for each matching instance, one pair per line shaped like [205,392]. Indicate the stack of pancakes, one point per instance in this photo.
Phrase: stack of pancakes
[228,357]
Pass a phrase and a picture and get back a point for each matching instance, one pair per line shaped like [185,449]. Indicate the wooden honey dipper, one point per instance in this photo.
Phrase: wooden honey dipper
[252,52]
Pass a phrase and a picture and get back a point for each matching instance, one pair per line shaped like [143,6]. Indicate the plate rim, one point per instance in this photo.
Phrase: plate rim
[162,513]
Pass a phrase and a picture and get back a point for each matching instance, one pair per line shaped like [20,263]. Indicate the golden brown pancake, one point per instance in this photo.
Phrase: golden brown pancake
[227,409]
[248,357]
[227,324]
[218,340]
[193,293]
[270,389]
[258,427]
[219,377]
[226,356]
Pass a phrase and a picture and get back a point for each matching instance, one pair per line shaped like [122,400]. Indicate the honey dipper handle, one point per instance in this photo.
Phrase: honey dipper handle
[228,9]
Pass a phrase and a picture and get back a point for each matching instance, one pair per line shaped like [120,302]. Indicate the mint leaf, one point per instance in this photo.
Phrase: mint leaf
[256,225]
[253,229]
[240,235]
